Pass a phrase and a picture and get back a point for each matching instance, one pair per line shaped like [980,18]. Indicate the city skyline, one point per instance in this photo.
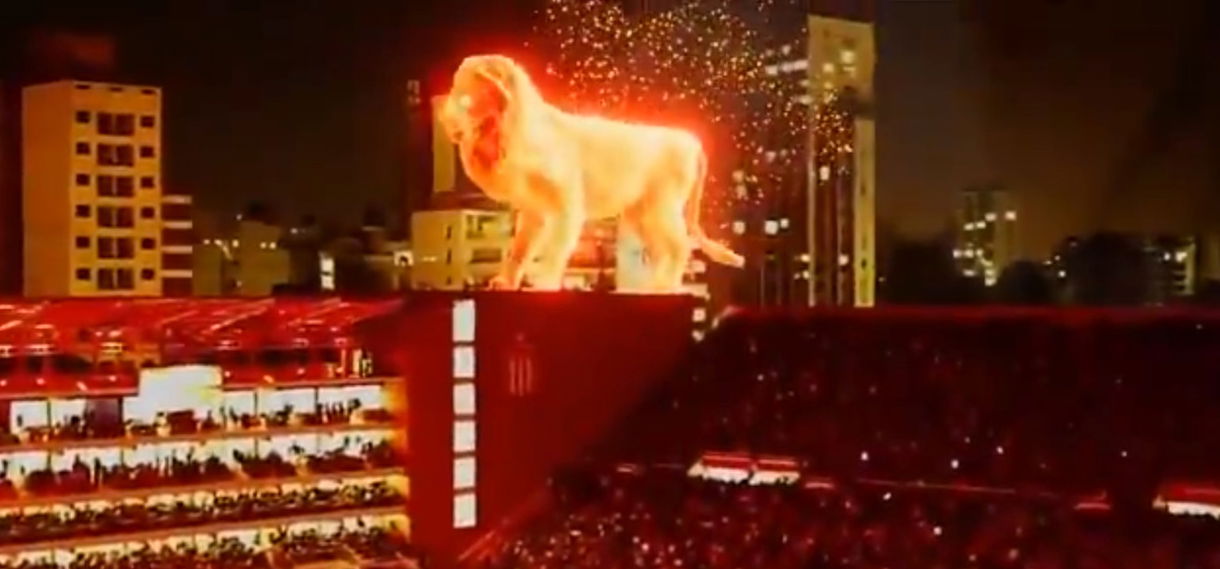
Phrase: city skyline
[296,108]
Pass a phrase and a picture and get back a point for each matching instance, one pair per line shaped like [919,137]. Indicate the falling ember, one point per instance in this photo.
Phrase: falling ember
[700,62]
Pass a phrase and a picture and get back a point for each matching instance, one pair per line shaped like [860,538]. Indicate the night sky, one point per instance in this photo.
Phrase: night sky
[1099,113]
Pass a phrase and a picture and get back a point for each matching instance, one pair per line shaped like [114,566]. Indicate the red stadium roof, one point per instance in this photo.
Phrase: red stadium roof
[199,324]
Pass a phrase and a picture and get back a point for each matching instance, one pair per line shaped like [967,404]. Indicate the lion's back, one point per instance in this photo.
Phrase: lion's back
[620,159]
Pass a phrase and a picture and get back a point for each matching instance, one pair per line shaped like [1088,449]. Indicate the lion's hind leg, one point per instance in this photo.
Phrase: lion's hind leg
[662,228]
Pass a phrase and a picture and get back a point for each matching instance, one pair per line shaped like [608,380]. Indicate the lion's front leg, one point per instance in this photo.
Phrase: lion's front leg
[527,238]
[561,242]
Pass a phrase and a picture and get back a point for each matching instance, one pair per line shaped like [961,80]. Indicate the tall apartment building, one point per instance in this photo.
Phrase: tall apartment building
[810,239]
[92,191]
[986,233]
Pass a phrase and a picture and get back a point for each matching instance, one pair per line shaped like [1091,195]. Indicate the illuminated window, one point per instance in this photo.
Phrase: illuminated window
[1010,215]
[847,56]
[463,399]
[463,436]
[463,473]
[464,511]
[463,321]
[739,227]
[463,362]
[28,414]
[824,173]
[771,227]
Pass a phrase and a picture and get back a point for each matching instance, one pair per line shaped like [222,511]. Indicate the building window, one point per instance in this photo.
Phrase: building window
[82,149]
[148,182]
[82,274]
[148,91]
[82,179]
[124,186]
[463,362]
[125,155]
[115,155]
[463,436]
[148,243]
[448,232]
[464,511]
[463,321]
[105,123]
[123,217]
[148,212]
[463,473]
[463,399]
[125,125]
[148,121]
[105,247]
[105,279]
[105,186]
[82,242]
[125,279]
[124,248]
[82,117]
[82,211]
[105,216]
[147,152]
[148,274]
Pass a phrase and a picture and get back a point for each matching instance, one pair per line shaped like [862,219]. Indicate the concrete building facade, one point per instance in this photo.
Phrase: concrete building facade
[92,189]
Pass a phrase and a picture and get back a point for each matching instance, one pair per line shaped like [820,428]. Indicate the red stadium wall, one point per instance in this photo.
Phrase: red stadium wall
[553,372]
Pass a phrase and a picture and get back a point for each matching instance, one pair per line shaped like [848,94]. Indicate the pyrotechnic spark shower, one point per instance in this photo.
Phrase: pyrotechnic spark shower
[704,58]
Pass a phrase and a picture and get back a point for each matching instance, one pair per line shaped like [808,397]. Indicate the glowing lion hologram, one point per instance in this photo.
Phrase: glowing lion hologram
[557,170]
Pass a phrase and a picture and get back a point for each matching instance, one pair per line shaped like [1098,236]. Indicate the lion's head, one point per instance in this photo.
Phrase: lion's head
[488,93]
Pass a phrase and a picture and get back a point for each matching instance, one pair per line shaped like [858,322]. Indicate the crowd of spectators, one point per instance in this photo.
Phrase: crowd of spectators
[669,520]
[141,516]
[285,552]
[84,477]
[1038,408]
[1060,401]
[91,426]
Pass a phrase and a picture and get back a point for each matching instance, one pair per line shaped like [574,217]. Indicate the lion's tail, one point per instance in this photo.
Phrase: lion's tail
[715,250]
